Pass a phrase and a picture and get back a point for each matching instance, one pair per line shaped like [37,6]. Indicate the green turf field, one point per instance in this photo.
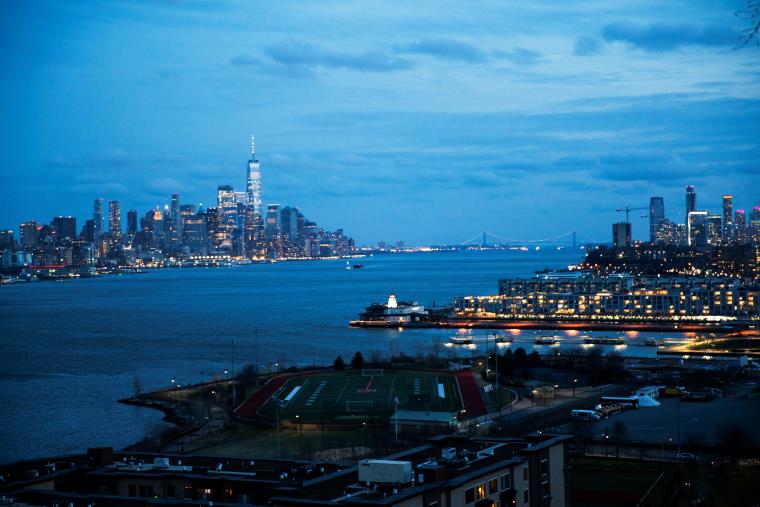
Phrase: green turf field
[353,396]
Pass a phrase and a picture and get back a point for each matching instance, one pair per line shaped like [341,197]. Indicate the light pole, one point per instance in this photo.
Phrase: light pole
[278,405]
[575,381]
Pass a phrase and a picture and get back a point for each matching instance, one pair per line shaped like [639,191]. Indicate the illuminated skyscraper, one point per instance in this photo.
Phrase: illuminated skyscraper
[114,219]
[696,223]
[728,217]
[656,216]
[226,201]
[691,199]
[97,216]
[740,222]
[253,186]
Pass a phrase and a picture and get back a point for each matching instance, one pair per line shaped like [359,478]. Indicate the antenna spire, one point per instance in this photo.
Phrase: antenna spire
[253,145]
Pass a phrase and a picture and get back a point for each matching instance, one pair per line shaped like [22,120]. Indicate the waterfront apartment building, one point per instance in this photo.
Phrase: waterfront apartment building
[590,297]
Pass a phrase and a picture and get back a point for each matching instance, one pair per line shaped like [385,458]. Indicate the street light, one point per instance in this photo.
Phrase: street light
[575,381]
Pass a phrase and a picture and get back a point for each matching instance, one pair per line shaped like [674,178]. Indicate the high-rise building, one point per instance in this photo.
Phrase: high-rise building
[195,233]
[621,234]
[691,199]
[97,216]
[65,228]
[740,223]
[132,222]
[754,225]
[713,229]
[728,218]
[656,216]
[7,240]
[28,234]
[253,184]
[114,219]
[88,232]
[226,201]
[696,223]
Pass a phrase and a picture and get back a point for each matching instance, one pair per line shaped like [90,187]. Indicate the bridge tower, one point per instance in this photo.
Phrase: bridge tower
[575,242]
[484,238]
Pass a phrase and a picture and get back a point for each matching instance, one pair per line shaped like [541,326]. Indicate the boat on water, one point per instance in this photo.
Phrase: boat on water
[654,342]
[605,340]
[499,338]
[460,340]
[357,266]
[546,340]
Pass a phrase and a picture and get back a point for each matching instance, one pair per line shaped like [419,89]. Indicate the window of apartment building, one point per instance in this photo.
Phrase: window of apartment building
[132,490]
[168,491]
[493,486]
[545,489]
[187,492]
[146,491]
[480,491]
[525,473]
[506,481]
[469,495]
[543,467]
[526,496]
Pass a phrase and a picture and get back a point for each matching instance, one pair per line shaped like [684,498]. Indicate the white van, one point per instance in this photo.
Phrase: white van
[585,415]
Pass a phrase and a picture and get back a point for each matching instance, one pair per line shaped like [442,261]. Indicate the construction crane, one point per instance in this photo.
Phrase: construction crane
[628,210]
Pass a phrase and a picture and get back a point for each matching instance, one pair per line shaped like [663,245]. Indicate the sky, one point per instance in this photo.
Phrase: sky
[419,121]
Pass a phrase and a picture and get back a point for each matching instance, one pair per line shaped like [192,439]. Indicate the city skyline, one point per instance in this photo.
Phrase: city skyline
[511,110]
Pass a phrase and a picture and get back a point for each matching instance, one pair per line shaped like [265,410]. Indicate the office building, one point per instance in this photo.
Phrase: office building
[691,199]
[195,234]
[714,229]
[65,228]
[97,216]
[621,234]
[728,232]
[696,223]
[28,234]
[740,223]
[7,240]
[656,216]
[253,183]
[114,219]
[176,217]
[132,222]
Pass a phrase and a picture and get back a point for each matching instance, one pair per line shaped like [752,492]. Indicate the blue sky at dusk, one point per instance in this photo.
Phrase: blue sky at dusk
[394,120]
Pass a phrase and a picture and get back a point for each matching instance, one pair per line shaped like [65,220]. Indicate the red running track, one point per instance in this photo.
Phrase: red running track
[251,406]
[473,401]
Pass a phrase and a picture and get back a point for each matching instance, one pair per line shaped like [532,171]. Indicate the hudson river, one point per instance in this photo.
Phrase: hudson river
[70,349]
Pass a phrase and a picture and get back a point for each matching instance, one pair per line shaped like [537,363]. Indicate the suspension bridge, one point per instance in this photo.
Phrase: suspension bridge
[571,238]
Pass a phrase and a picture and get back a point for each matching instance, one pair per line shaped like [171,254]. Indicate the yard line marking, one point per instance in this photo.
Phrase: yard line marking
[341,391]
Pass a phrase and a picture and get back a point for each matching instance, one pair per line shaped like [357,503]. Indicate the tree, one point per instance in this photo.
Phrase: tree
[521,357]
[752,14]
[339,364]
[358,361]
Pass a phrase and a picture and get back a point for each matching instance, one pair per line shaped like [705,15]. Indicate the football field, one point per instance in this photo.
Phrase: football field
[362,396]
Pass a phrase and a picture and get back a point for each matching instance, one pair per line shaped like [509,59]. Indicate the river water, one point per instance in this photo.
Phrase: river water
[70,349]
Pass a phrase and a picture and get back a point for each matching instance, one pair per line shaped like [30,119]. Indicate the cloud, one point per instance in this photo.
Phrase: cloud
[445,49]
[659,37]
[519,56]
[586,46]
[300,54]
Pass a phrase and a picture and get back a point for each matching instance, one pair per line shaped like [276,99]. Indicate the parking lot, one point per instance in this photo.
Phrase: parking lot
[699,421]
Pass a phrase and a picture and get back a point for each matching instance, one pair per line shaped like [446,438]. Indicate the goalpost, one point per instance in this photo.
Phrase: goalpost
[372,372]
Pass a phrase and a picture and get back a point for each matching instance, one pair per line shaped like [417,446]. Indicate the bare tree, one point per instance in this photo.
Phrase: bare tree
[751,14]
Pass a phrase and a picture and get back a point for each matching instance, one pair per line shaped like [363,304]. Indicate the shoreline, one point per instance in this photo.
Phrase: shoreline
[548,325]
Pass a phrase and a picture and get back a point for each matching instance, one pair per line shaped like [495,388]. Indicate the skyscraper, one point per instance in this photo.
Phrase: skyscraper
[656,216]
[97,216]
[28,234]
[621,234]
[691,200]
[253,186]
[132,222]
[696,223]
[65,228]
[114,219]
[728,217]
[740,221]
